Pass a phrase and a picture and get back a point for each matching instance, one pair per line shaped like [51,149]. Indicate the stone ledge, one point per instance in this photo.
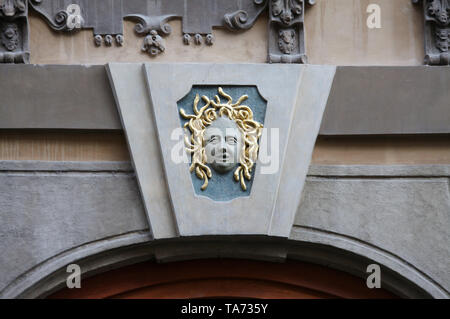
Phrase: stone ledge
[380,170]
[57,166]
[363,101]
[314,170]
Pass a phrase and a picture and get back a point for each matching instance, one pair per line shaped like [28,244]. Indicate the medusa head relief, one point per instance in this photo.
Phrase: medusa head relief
[222,137]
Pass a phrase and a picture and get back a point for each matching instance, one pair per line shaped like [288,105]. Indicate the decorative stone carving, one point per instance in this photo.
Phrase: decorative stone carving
[223,136]
[119,39]
[223,145]
[108,40]
[286,31]
[13,31]
[286,10]
[10,36]
[209,40]
[187,39]
[105,18]
[98,39]
[437,31]
[198,39]
[286,43]
[153,44]
[9,8]
[242,19]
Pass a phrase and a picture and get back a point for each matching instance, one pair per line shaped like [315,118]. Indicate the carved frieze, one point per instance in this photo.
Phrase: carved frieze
[105,18]
[437,31]
[199,17]
[13,31]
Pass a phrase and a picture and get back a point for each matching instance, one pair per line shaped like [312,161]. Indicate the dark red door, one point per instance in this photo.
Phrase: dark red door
[223,278]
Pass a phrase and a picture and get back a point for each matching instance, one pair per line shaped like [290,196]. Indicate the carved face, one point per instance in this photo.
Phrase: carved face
[10,37]
[10,7]
[286,41]
[223,144]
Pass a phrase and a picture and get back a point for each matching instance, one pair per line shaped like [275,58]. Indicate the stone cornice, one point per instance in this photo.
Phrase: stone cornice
[80,97]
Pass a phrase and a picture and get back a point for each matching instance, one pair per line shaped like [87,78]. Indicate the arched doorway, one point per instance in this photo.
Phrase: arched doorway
[211,278]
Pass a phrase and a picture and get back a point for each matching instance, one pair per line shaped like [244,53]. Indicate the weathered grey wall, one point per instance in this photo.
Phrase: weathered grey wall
[66,96]
[401,212]
[54,214]
[388,100]
[363,100]
[48,208]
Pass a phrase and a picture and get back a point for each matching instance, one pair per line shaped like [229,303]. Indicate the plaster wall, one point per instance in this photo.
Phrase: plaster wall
[26,145]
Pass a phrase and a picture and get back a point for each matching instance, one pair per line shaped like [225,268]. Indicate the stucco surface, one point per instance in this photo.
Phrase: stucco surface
[408,215]
[337,33]
[58,145]
[47,209]
[382,150]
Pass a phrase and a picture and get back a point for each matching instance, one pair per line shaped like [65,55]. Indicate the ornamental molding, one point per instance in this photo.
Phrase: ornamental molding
[286,36]
[436,31]
[105,18]
[14,31]
[286,31]
[199,17]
